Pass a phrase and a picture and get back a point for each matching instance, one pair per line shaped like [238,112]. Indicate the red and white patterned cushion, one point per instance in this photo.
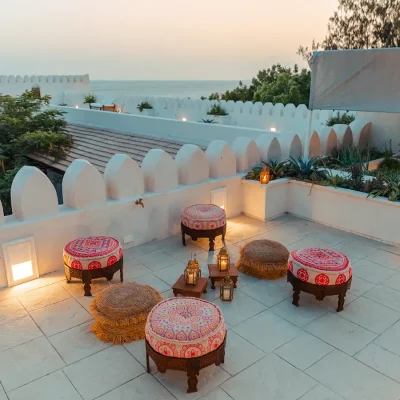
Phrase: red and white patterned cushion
[185,327]
[92,252]
[203,217]
[320,266]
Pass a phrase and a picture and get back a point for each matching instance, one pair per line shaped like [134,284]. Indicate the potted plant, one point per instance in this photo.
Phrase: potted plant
[219,114]
[146,108]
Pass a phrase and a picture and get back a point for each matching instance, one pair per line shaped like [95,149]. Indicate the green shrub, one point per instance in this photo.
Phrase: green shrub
[340,119]
[216,110]
[390,186]
[89,99]
[144,105]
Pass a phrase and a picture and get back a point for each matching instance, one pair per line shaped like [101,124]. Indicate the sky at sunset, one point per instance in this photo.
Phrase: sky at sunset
[157,39]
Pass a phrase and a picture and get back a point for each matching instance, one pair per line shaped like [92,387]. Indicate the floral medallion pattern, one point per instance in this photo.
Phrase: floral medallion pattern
[204,217]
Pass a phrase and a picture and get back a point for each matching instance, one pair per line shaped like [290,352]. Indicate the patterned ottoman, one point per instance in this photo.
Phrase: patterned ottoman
[92,257]
[185,334]
[203,221]
[321,272]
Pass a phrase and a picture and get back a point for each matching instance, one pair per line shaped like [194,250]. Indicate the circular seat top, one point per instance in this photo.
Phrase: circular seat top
[92,252]
[204,217]
[185,327]
[129,300]
[320,266]
[265,250]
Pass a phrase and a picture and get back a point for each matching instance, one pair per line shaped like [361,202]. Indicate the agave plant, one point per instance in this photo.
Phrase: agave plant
[352,155]
[254,174]
[144,105]
[391,186]
[208,121]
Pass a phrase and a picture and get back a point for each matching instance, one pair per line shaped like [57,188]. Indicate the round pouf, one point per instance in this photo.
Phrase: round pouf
[92,257]
[263,259]
[321,272]
[185,334]
[121,311]
[203,221]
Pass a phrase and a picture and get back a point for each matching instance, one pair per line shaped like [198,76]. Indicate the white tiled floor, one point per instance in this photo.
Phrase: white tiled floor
[274,350]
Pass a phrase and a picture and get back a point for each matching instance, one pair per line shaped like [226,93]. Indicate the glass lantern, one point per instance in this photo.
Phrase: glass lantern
[223,260]
[192,272]
[265,175]
[226,288]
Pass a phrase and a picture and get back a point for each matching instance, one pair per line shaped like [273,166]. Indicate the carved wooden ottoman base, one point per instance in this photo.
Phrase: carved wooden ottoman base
[318,291]
[211,234]
[191,366]
[87,275]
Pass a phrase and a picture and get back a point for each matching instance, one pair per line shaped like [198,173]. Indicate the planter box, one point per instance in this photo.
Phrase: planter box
[265,201]
[220,119]
[147,112]
[348,210]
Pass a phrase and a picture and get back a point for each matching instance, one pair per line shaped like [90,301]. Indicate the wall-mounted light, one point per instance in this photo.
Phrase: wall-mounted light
[20,261]
[273,129]
[76,106]
[218,197]
[184,119]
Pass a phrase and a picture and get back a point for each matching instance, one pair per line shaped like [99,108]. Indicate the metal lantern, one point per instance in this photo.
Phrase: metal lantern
[223,260]
[265,175]
[226,288]
[192,272]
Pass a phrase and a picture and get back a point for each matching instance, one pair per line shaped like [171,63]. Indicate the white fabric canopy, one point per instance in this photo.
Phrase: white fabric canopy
[356,80]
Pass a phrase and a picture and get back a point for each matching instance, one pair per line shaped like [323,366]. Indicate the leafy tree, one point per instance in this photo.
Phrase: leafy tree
[26,128]
[276,85]
[359,24]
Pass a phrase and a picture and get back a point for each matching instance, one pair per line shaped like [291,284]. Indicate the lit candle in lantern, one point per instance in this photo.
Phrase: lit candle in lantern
[227,294]
[223,260]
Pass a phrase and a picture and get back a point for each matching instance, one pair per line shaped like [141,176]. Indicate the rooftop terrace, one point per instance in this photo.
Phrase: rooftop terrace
[274,350]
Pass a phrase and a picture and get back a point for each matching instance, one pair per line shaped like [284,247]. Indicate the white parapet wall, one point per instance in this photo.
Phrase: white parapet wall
[271,145]
[53,85]
[97,205]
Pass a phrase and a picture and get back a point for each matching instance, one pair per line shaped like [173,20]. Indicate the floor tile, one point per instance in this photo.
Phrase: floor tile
[86,301]
[216,394]
[75,287]
[60,316]
[299,316]
[393,282]
[359,311]
[144,387]
[171,274]
[385,296]
[267,331]
[385,258]
[354,249]
[267,293]
[43,297]
[3,396]
[18,332]
[155,260]
[270,378]
[28,362]
[10,310]
[239,354]
[133,269]
[321,392]
[176,382]
[381,360]
[102,372]
[303,351]
[240,308]
[340,333]
[360,286]
[138,350]
[154,282]
[352,379]
[372,272]
[389,340]
[55,386]
[77,343]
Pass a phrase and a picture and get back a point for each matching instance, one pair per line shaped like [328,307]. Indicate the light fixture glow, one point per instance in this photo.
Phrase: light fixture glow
[273,129]
[77,106]
[184,119]
[22,270]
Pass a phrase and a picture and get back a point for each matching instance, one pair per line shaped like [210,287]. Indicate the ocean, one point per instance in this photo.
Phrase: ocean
[193,89]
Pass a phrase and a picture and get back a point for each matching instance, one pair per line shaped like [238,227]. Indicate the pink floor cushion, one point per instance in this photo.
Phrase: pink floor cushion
[320,266]
[203,217]
[92,252]
[185,327]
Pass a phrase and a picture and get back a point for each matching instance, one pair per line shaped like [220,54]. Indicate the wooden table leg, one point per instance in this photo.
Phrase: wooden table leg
[212,283]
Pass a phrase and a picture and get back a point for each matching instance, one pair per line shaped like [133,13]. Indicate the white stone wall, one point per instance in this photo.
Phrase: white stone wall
[97,205]
[53,85]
